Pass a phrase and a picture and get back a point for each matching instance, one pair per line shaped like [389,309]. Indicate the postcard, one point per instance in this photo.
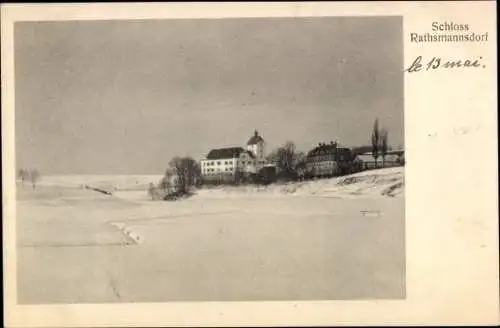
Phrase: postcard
[250,164]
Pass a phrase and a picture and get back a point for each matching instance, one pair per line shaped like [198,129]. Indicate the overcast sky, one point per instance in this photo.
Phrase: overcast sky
[126,96]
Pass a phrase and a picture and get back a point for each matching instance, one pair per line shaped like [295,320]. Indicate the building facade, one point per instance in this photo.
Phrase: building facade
[367,161]
[328,160]
[233,163]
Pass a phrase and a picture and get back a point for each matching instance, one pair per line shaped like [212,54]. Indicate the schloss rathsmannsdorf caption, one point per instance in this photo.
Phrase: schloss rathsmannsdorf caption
[444,32]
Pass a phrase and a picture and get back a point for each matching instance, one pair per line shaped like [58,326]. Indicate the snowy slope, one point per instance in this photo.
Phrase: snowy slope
[387,182]
[375,183]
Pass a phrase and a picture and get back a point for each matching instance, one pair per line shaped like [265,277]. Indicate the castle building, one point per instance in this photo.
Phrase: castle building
[328,160]
[225,164]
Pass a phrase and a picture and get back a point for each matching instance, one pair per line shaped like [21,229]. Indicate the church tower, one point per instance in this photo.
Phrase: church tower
[256,145]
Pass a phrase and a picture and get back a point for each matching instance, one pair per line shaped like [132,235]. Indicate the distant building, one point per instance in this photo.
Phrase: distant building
[227,164]
[328,159]
[393,158]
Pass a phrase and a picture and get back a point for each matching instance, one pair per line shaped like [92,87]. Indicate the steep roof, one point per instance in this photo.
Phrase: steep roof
[255,139]
[327,149]
[222,153]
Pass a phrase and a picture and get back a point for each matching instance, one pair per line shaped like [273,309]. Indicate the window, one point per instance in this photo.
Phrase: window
[218,162]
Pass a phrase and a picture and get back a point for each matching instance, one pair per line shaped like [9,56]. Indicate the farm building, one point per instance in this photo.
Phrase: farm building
[366,161]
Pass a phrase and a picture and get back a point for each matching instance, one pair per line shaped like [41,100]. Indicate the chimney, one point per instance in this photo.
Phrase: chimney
[256,133]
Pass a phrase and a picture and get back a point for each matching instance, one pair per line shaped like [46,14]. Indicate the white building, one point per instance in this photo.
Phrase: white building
[256,145]
[226,163]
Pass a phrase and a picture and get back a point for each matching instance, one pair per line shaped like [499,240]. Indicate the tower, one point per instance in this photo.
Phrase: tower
[256,145]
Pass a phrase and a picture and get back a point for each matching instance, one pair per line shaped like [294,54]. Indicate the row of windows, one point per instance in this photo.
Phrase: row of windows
[218,163]
[322,164]
[214,163]
[227,169]
[322,158]
[218,173]
[339,157]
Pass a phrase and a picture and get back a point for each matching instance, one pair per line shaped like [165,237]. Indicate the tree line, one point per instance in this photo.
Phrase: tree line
[181,175]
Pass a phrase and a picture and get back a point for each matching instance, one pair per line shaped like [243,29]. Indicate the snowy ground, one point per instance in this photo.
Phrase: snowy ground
[330,239]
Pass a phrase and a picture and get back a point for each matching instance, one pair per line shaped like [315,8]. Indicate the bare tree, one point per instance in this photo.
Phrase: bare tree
[176,167]
[166,183]
[299,158]
[287,158]
[22,175]
[187,173]
[384,140]
[375,141]
[34,176]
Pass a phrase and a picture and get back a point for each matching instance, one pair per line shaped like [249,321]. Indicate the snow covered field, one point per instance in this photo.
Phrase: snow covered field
[339,238]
